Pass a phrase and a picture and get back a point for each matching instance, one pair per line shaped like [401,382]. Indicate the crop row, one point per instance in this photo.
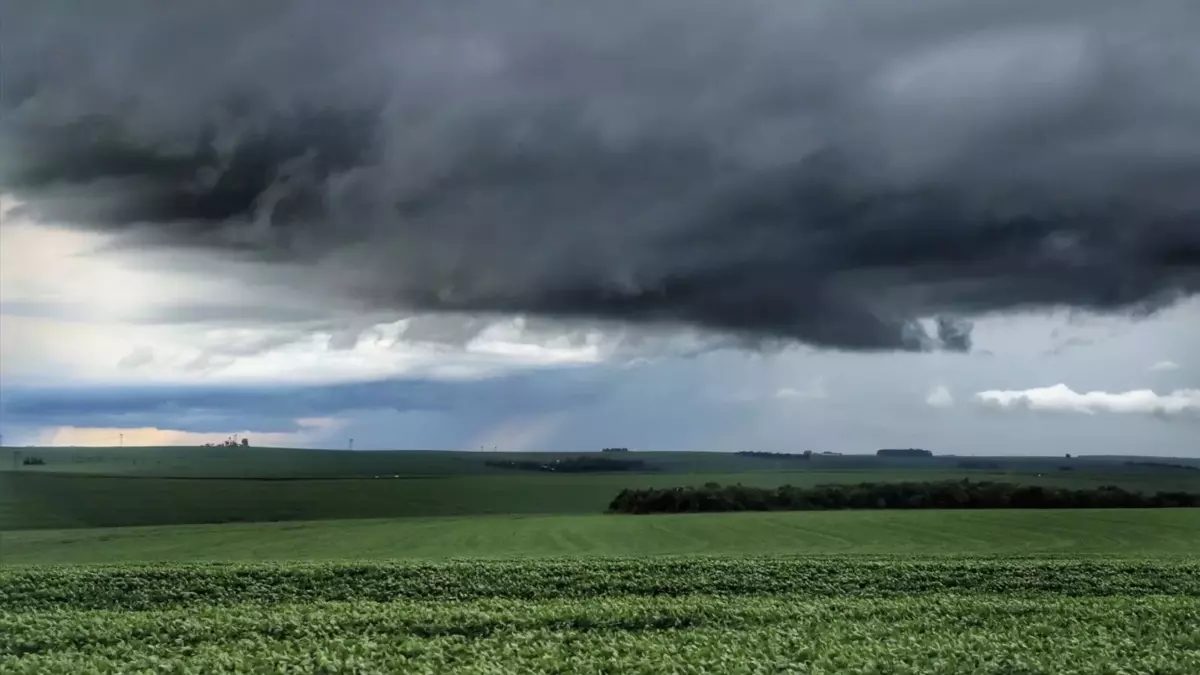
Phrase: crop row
[135,587]
[934,633]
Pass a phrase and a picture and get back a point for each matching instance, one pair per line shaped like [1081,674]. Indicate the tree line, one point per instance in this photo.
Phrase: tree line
[807,454]
[903,452]
[1164,465]
[963,494]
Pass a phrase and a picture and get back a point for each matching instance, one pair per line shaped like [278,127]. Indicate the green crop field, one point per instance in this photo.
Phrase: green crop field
[1119,532]
[663,615]
[203,560]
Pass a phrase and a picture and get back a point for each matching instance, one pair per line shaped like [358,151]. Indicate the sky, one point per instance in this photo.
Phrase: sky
[971,227]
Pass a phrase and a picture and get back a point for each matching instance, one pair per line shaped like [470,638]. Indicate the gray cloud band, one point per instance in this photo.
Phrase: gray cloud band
[826,173]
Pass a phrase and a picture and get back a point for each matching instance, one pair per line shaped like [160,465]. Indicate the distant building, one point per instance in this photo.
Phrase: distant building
[903,452]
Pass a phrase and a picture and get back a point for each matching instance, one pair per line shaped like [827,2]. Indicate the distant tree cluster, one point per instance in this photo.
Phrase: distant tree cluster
[1164,465]
[903,452]
[807,454]
[571,464]
[908,495]
[33,461]
[615,450]
[230,442]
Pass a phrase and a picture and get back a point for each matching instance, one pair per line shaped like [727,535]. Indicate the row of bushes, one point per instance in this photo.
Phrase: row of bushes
[571,464]
[807,454]
[903,452]
[909,495]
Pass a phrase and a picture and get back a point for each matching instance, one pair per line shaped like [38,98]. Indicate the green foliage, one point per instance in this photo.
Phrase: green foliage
[190,585]
[964,494]
[814,615]
[806,455]
[903,452]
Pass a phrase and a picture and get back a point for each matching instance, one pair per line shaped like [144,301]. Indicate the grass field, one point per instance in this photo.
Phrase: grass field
[1121,532]
[662,615]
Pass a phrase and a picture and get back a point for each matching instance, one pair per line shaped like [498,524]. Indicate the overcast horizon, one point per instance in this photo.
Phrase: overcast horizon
[972,228]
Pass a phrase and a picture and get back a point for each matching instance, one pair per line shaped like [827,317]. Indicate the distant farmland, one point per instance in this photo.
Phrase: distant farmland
[85,487]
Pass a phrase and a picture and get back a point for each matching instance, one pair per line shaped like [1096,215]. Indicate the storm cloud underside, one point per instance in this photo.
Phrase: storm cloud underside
[828,172]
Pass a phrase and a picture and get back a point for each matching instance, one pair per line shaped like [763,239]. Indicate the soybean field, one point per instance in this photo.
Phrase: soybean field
[749,615]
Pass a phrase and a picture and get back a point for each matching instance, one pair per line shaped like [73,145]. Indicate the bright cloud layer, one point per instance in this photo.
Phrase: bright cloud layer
[104,315]
[1061,398]
[940,397]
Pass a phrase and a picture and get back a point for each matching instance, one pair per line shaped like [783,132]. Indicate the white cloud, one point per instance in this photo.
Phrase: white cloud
[940,397]
[137,357]
[77,309]
[1061,398]
[1164,366]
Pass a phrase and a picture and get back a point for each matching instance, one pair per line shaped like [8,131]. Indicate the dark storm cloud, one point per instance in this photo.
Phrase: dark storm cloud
[828,172]
[954,334]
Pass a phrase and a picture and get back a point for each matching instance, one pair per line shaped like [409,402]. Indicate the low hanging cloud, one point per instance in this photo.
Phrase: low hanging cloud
[826,172]
[1061,398]
[283,408]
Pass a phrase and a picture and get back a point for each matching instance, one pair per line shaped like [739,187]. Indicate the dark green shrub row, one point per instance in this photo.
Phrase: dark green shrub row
[963,494]
[807,454]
